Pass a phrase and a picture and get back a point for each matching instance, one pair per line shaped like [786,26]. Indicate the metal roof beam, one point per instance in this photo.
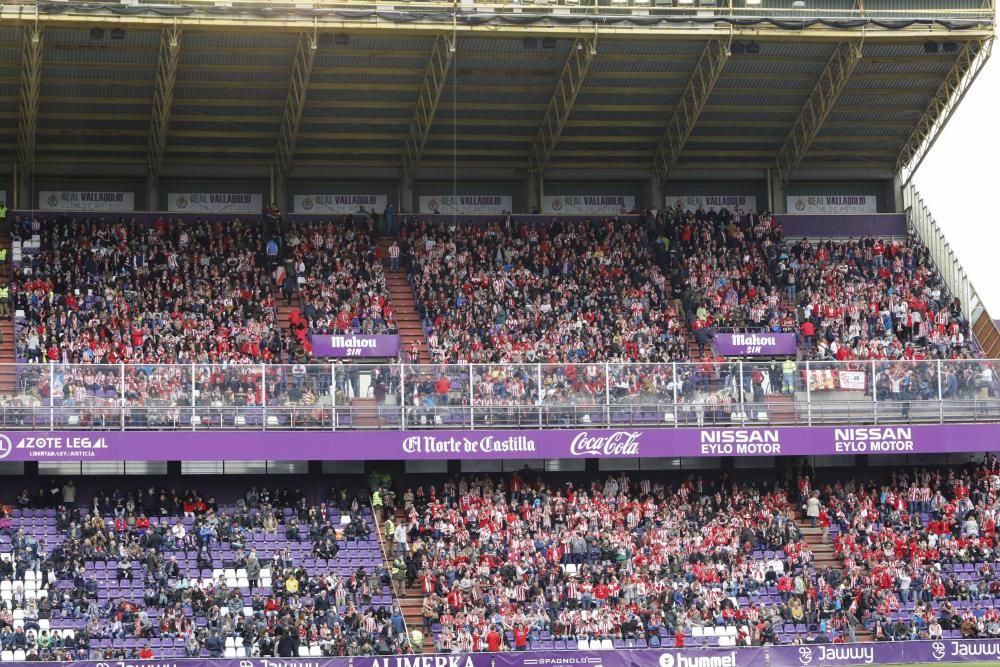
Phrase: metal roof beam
[433,84]
[969,63]
[574,72]
[295,102]
[30,88]
[163,98]
[696,93]
[828,88]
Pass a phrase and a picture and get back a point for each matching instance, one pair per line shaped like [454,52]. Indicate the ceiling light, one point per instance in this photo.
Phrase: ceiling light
[753,48]
[931,47]
[97,33]
[118,33]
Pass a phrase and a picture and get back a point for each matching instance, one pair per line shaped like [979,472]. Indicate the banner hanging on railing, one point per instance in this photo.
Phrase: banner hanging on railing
[754,344]
[711,202]
[195,441]
[338,204]
[215,202]
[467,204]
[588,204]
[836,379]
[832,204]
[52,200]
[355,345]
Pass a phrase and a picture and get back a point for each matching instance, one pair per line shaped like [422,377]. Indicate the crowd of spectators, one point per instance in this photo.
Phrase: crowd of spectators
[518,561]
[111,291]
[339,266]
[561,292]
[125,570]
[873,299]
[919,549]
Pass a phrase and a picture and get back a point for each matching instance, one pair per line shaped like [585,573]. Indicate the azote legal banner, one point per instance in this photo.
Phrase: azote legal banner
[59,200]
[588,204]
[832,204]
[214,202]
[338,204]
[466,204]
[745,203]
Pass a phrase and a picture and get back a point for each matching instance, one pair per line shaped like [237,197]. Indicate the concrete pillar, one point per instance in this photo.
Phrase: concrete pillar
[655,193]
[278,190]
[898,203]
[23,196]
[776,192]
[406,202]
[532,195]
[152,193]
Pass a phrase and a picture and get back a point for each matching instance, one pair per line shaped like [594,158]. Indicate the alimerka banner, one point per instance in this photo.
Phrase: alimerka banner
[338,204]
[51,200]
[215,202]
[588,204]
[754,344]
[467,204]
[355,345]
[745,203]
[832,204]
[203,444]
[808,655]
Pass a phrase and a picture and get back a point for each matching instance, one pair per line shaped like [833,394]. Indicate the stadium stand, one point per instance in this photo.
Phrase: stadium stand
[183,576]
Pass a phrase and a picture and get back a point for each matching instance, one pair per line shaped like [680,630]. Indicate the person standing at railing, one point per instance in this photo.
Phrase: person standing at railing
[788,369]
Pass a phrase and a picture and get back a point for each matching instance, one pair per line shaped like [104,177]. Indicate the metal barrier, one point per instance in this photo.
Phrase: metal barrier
[401,396]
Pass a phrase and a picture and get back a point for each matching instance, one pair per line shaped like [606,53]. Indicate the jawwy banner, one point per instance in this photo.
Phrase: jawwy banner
[754,344]
[355,345]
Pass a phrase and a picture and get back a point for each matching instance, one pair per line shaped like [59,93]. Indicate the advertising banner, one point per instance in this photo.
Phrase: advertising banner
[52,200]
[886,653]
[711,202]
[830,380]
[708,657]
[355,345]
[808,655]
[214,202]
[832,204]
[203,444]
[467,204]
[754,344]
[338,204]
[588,204]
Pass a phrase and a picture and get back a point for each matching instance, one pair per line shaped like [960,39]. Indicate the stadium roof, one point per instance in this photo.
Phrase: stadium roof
[519,88]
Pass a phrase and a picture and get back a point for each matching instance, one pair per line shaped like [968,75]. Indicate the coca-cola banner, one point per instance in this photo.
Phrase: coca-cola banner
[196,443]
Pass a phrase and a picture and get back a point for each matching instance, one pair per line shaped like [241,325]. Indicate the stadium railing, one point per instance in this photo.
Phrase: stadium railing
[699,9]
[401,396]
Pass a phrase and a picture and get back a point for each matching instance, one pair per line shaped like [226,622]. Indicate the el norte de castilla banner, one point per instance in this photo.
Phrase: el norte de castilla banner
[195,443]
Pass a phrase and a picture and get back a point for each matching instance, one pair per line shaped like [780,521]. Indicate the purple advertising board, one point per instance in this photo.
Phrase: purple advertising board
[813,655]
[754,344]
[732,657]
[436,444]
[886,653]
[355,345]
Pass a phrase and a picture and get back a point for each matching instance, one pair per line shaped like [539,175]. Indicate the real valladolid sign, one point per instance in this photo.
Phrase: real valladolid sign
[338,204]
[817,655]
[436,443]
